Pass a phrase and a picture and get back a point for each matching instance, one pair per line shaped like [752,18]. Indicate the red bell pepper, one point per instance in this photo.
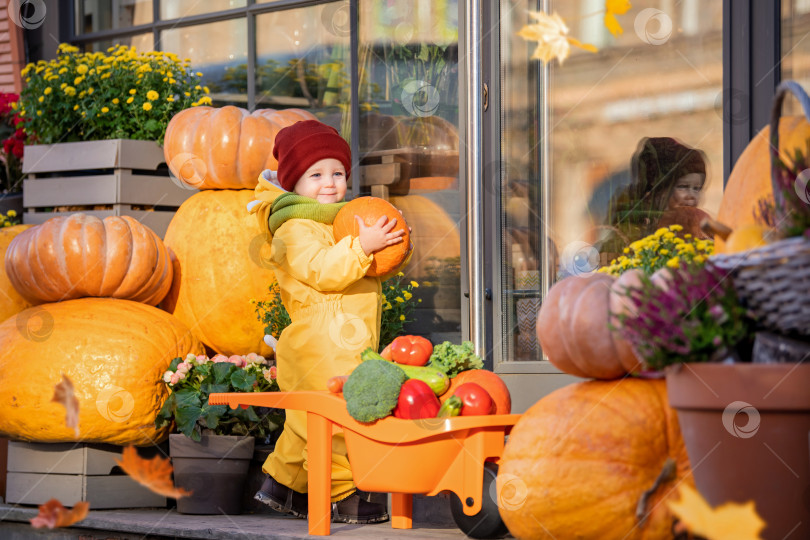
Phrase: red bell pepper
[416,400]
[475,400]
[411,350]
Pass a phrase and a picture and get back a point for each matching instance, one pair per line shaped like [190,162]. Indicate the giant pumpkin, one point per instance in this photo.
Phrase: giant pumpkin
[572,326]
[11,301]
[113,351]
[370,210]
[221,262]
[750,180]
[225,148]
[82,255]
[579,460]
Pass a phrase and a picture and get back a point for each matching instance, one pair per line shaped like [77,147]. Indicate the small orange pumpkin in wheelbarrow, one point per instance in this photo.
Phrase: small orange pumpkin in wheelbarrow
[402,457]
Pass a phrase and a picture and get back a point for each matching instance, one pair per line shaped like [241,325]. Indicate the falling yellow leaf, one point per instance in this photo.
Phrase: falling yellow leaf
[730,521]
[155,473]
[64,394]
[551,35]
[613,8]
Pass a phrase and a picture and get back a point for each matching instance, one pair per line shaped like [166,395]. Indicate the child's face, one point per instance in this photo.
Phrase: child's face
[324,181]
[687,191]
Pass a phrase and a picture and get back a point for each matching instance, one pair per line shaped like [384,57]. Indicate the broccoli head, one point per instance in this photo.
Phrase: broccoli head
[372,390]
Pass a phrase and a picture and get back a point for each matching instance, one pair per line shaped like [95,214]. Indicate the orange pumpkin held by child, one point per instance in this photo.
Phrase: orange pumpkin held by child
[370,209]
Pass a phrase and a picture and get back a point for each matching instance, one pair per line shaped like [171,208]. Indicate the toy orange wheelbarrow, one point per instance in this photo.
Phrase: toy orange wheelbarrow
[403,457]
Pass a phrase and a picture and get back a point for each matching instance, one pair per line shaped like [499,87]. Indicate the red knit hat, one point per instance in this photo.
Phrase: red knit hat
[302,144]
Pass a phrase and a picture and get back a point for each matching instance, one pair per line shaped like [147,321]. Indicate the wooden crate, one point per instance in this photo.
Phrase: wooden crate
[38,472]
[116,177]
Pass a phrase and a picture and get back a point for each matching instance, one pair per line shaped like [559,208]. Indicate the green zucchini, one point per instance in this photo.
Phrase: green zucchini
[437,380]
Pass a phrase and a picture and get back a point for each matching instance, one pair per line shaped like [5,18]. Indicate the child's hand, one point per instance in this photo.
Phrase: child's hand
[379,235]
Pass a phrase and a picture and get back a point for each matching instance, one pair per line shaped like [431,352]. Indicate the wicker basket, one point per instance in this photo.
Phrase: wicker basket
[774,281]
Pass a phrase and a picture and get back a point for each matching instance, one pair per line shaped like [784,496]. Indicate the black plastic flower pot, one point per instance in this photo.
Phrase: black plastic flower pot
[214,470]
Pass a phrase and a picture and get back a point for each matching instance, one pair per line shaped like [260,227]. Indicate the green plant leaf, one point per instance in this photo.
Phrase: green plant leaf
[175,363]
[164,416]
[211,414]
[188,409]
[222,371]
[241,380]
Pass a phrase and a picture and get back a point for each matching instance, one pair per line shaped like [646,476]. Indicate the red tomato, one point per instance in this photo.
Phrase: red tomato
[411,350]
[475,400]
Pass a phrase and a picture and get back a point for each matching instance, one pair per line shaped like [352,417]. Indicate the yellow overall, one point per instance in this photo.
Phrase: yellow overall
[335,310]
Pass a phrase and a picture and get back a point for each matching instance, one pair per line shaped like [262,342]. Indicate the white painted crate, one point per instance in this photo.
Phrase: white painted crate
[117,177]
[38,472]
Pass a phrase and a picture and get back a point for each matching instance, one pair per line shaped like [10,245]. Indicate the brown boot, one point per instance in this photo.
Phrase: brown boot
[355,509]
[283,499]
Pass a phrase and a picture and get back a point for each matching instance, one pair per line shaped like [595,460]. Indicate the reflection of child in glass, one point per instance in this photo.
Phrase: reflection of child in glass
[325,289]
[667,176]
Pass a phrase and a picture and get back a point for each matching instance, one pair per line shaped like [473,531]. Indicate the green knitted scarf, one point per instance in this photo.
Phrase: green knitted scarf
[292,206]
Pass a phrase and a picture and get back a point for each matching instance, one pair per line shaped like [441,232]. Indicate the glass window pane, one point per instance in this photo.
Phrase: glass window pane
[302,61]
[141,42]
[219,51]
[408,71]
[795,49]
[97,15]
[175,9]
[656,88]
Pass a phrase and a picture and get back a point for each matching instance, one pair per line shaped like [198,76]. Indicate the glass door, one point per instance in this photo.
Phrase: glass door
[568,143]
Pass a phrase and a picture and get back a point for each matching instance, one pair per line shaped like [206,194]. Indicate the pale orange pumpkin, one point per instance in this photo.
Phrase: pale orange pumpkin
[572,328]
[490,382]
[11,301]
[578,462]
[113,351]
[221,262]
[225,148]
[370,209]
[750,180]
[81,255]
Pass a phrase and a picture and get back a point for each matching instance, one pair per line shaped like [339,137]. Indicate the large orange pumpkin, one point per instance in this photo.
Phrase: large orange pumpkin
[370,209]
[221,262]
[225,148]
[114,352]
[572,327]
[578,461]
[81,255]
[490,382]
[11,301]
[750,180]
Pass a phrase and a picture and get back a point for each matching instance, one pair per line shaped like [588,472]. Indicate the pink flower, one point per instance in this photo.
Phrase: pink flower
[201,359]
[273,372]
[219,358]
[167,377]
[237,360]
[176,378]
[183,367]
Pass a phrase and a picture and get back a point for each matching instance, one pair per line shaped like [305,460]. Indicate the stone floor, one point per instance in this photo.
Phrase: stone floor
[163,524]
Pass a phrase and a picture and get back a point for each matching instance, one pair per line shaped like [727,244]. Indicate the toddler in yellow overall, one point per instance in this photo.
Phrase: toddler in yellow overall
[334,307]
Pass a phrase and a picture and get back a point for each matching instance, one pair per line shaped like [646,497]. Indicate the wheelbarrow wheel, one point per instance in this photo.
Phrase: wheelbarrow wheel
[487,522]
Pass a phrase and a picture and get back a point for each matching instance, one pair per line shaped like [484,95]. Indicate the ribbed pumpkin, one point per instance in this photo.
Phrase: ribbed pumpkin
[370,209]
[10,300]
[225,148]
[114,352]
[435,233]
[750,180]
[81,255]
[490,382]
[578,461]
[221,263]
[572,327]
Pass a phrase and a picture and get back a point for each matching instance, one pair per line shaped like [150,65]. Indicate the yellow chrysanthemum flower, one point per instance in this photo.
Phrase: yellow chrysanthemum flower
[130,99]
[414,284]
[81,69]
[151,95]
[115,101]
[147,106]
[132,91]
[47,91]
[674,262]
[105,110]
[402,317]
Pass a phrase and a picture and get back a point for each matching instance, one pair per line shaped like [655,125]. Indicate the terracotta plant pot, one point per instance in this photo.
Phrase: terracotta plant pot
[746,431]
[214,470]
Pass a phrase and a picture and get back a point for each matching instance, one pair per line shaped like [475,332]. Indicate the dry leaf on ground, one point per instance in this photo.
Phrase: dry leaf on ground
[155,473]
[52,515]
[64,394]
[729,521]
